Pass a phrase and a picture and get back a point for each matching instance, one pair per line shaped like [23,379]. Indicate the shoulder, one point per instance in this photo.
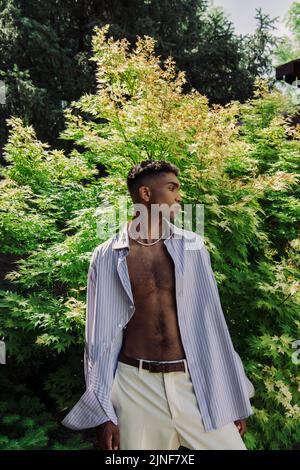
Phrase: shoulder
[194,245]
[192,240]
[103,250]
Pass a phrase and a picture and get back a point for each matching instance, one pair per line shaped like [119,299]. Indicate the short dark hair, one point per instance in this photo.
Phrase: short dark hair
[147,168]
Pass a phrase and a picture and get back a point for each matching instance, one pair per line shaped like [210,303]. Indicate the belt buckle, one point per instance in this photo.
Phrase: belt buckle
[156,363]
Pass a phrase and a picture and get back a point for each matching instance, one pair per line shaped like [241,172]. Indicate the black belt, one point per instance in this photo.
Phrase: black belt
[154,366]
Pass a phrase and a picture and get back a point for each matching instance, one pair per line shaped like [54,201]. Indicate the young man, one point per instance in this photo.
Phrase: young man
[160,368]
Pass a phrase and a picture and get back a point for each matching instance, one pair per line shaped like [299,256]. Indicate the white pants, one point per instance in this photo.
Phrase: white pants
[159,411]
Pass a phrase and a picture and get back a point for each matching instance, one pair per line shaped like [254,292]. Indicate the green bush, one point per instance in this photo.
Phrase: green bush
[241,161]
[26,425]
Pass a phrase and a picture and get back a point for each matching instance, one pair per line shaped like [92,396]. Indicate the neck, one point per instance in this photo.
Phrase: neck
[147,230]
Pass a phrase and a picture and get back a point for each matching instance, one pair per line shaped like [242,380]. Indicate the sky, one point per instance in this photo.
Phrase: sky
[242,12]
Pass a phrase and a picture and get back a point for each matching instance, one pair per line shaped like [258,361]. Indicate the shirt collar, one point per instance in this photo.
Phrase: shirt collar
[121,239]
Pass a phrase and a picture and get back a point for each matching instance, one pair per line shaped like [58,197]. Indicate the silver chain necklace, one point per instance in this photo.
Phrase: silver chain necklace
[146,244]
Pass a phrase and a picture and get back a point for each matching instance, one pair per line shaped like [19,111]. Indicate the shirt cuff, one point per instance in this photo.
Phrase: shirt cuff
[87,413]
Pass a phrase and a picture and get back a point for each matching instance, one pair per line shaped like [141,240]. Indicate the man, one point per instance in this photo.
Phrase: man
[160,368]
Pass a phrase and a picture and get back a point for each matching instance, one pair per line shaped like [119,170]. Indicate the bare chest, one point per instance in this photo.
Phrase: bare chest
[150,269]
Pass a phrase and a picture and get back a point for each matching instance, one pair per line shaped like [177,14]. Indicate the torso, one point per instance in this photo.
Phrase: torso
[152,333]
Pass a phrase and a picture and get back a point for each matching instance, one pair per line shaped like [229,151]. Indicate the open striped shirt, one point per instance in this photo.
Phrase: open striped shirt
[221,386]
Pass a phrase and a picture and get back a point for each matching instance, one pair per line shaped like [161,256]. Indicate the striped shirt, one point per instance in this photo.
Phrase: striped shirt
[221,386]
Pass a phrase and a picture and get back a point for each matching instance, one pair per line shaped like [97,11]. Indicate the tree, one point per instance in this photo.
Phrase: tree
[44,65]
[289,47]
[46,50]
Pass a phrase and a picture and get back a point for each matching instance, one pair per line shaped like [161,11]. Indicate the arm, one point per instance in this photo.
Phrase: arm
[88,411]
[108,435]
[241,423]
[249,385]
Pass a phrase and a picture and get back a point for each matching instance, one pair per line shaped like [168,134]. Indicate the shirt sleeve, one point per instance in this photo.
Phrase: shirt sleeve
[90,315]
[88,411]
[249,385]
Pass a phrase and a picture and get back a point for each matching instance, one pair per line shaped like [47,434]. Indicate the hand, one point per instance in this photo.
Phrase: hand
[108,436]
[241,425]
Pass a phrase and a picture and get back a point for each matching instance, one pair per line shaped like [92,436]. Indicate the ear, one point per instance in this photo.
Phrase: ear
[144,193]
